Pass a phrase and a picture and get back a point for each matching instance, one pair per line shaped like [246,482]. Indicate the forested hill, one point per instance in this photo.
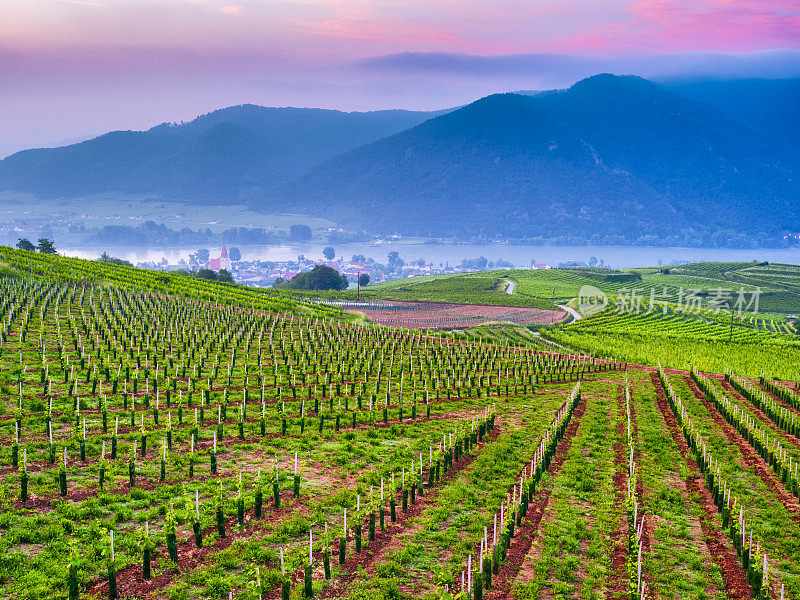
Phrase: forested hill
[769,106]
[222,157]
[609,159]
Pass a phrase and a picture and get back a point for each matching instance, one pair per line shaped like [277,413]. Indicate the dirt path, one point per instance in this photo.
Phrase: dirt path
[576,316]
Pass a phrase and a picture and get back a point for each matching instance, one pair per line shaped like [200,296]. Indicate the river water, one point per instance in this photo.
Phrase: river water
[452,254]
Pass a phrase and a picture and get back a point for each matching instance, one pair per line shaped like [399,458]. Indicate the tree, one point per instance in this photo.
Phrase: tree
[225,276]
[279,281]
[207,274]
[25,244]
[299,233]
[203,255]
[481,262]
[329,253]
[320,277]
[46,246]
[394,262]
[107,258]
[234,254]
[363,279]
[358,258]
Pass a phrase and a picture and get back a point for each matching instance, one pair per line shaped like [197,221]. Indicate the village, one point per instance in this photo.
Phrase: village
[258,273]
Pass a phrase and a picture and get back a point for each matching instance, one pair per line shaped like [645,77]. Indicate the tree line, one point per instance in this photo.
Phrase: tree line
[45,245]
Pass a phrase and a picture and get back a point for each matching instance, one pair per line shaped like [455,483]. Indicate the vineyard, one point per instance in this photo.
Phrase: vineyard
[167,438]
[485,288]
[683,342]
[778,287]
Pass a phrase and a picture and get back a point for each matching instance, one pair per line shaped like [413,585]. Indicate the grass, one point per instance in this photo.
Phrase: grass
[772,524]
[445,533]
[678,564]
[58,338]
[572,556]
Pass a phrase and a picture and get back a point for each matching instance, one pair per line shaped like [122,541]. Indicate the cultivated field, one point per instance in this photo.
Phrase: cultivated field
[444,315]
[163,440]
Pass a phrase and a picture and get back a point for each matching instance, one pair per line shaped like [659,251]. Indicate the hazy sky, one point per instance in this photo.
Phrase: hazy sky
[72,68]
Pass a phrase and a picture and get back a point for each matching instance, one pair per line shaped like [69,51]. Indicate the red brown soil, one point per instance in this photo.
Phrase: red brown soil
[752,458]
[445,315]
[765,420]
[191,557]
[130,582]
[154,452]
[525,534]
[736,585]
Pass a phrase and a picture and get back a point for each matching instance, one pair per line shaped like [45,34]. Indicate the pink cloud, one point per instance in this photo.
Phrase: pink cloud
[354,26]
[693,25]
[359,28]
[232,10]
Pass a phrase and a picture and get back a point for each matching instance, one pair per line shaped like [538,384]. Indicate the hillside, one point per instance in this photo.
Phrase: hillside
[766,105]
[612,159]
[226,156]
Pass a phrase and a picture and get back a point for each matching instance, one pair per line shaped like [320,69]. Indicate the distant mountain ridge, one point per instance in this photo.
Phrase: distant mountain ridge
[766,105]
[229,155]
[612,159]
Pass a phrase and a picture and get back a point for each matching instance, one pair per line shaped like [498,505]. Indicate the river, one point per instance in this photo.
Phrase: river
[452,254]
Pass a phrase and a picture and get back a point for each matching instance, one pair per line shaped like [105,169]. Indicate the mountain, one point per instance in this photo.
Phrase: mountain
[611,159]
[769,106]
[226,156]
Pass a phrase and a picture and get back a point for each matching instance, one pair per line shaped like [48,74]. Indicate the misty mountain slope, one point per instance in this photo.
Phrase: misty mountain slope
[609,160]
[225,156]
[618,157]
[770,106]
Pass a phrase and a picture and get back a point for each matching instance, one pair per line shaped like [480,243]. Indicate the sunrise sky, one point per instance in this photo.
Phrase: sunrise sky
[72,68]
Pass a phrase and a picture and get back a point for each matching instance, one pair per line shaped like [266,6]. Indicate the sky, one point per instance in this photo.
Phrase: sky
[72,69]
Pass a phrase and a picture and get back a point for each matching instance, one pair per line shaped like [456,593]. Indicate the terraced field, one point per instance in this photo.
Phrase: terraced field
[681,342]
